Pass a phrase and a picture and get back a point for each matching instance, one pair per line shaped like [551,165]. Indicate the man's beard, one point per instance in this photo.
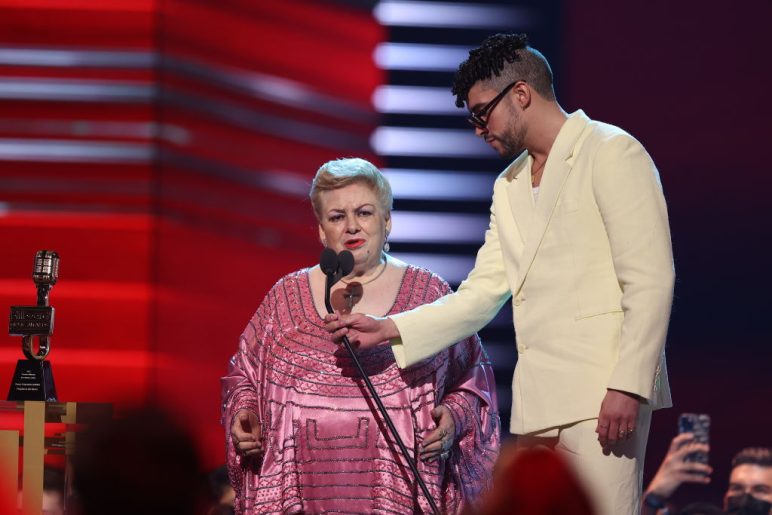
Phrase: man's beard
[512,141]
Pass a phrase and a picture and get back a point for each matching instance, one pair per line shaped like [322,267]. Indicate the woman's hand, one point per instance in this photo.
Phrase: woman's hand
[246,434]
[437,444]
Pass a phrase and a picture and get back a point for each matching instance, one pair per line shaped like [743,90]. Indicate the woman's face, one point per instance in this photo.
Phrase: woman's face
[352,219]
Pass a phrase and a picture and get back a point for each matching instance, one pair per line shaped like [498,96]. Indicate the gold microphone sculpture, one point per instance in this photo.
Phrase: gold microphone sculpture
[33,379]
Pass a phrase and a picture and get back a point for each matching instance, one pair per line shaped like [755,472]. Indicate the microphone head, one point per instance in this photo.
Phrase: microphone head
[328,261]
[346,262]
[46,268]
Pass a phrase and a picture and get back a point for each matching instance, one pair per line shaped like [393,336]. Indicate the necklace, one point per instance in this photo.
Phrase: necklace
[537,171]
[385,264]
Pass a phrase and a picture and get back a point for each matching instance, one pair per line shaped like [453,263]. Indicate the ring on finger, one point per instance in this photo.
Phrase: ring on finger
[445,455]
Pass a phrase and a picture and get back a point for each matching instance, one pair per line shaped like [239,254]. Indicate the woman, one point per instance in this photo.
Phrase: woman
[303,432]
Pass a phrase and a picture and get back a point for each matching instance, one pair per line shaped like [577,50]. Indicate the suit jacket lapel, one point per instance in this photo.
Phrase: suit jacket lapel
[556,171]
[519,194]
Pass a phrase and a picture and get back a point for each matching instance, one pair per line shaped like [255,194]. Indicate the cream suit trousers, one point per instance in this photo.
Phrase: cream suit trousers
[613,482]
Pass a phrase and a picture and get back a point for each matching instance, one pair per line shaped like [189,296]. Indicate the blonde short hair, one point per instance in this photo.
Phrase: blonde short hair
[339,173]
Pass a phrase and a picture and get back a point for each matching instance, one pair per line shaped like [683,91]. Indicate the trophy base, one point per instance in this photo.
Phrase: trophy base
[33,380]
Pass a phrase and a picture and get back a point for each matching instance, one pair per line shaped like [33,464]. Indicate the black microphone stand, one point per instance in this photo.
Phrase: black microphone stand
[330,279]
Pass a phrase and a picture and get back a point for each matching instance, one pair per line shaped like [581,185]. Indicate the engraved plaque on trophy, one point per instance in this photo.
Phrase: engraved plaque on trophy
[33,379]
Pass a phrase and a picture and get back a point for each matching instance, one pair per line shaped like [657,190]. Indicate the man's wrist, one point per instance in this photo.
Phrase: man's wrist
[654,500]
[631,395]
[389,328]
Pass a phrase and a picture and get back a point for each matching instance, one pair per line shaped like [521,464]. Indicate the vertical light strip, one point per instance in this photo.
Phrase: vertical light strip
[9,470]
[32,460]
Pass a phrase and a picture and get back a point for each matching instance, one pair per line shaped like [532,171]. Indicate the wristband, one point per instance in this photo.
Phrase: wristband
[655,501]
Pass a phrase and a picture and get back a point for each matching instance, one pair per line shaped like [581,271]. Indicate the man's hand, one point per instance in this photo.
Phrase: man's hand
[363,331]
[674,471]
[437,444]
[617,418]
[246,434]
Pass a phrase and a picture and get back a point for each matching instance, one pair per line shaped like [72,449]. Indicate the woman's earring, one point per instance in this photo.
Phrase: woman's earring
[386,246]
[324,242]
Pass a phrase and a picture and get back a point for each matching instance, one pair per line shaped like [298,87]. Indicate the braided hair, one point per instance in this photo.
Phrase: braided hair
[502,59]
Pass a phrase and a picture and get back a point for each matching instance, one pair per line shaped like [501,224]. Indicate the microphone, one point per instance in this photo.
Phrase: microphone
[46,269]
[328,261]
[345,262]
[45,273]
[334,267]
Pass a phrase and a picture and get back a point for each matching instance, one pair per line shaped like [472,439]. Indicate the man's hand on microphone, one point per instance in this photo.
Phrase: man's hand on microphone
[363,331]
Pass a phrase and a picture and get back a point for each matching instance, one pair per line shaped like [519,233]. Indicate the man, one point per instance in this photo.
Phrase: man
[750,480]
[579,238]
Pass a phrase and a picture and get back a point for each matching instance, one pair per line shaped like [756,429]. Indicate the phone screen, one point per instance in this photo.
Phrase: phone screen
[699,425]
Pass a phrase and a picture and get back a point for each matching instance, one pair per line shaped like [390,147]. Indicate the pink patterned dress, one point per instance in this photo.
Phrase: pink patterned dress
[327,449]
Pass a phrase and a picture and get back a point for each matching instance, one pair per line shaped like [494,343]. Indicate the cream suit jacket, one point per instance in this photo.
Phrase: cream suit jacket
[590,269]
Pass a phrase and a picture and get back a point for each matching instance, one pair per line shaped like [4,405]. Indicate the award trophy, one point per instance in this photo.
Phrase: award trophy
[33,379]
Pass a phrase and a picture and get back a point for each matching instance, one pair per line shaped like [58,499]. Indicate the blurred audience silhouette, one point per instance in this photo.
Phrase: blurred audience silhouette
[140,463]
[53,492]
[221,493]
[533,481]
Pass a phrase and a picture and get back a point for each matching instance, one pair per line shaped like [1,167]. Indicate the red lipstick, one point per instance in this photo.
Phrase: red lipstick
[354,244]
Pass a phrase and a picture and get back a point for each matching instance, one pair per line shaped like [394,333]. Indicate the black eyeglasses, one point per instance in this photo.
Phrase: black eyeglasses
[480,118]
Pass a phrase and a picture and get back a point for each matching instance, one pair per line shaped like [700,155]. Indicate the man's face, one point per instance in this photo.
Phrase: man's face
[750,479]
[505,131]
